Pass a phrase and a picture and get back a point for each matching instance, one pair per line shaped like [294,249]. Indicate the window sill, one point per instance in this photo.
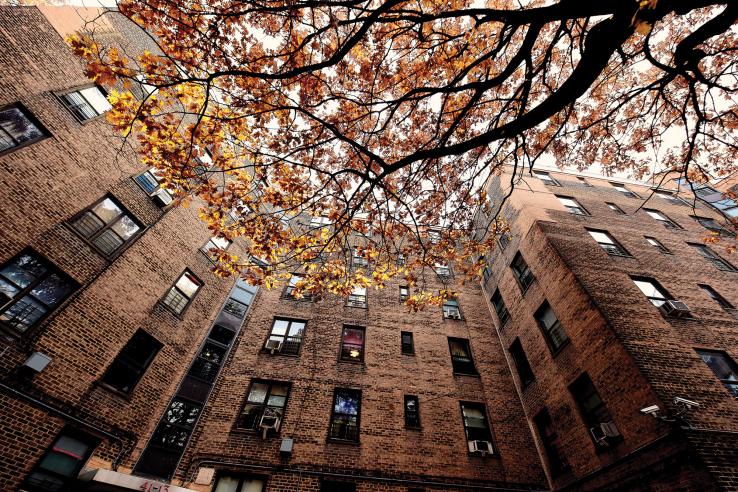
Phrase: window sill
[416,428]
[353,362]
[277,354]
[253,432]
[483,456]
[113,390]
[555,352]
[473,375]
[179,316]
[344,442]
[620,256]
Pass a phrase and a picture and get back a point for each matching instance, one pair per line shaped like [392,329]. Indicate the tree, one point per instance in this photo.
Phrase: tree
[334,120]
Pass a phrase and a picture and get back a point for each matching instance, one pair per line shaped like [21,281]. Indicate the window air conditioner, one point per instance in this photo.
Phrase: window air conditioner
[604,431]
[273,345]
[675,309]
[267,423]
[162,198]
[482,447]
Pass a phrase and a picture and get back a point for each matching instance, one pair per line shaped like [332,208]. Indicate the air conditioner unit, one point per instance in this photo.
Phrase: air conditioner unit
[273,346]
[456,315]
[162,198]
[604,431]
[267,423]
[482,447]
[675,309]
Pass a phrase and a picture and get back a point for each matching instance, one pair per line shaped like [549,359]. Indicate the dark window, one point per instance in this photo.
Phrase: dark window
[551,442]
[525,373]
[407,343]
[499,304]
[175,426]
[345,415]
[608,243]
[412,411]
[352,343]
[107,226]
[503,241]
[208,361]
[461,357]
[662,219]
[657,244]
[712,225]
[552,329]
[213,247]
[522,272]
[583,180]
[652,290]
[336,486]
[546,178]
[235,483]
[404,293]
[286,336]
[593,409]
[716,296]
[58,468]
[18,127]
[476,427]
[615,208]
[182,292]
[724,368]
[30,288]
[87,103]
[624,190]
[670,197]
[451,309]
[264,407]
[357,298]
[131,363]
[573,206]
[713,258]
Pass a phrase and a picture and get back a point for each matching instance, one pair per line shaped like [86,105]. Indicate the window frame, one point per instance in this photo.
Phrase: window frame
[718,229]
[173,286]
[51,269]
[546,331]
[657,286]
[624,190]
[465,403]
[28,115]
[670,197]
[582,179]
[615,208]
[503,314]
[557,462]
[270,383]
[124,212]
[619,249]
[61,97]
[659,245]
[589,416]
[358,394]
[289,288]
[210,244]
[522,364]
[409,422]
[455,367]
[404,296]
[355,300]
[87,439]
[449,305]
[271,334]
[666,221]
[551,181]
[711,257]
[520,275]
[582,212]
[142,369]
[362,353]
[403,345]
[730,385]
[716,297]
[358,260]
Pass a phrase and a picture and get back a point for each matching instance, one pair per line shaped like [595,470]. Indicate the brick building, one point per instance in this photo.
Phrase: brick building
[128,364]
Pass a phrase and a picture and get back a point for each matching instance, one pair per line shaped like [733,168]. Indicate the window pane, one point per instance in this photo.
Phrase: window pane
[125,227]
[52,290]
[280,327]
[547,317]
[147,181]
[601,237]
[24,313]
[296,329]
[243,296]
[649,289]
[258,393]
[227,484]
[16,128]
[23,270]
[346,403]
[459,349]
[96,99]
[188,284]
[720,366]
[107,210]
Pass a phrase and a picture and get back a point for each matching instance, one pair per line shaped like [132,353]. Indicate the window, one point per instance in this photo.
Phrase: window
[522,272]
[442,270]
[712,225]
[30,288]
[62,462]
[434,236]
[131,363]
[352,343]
[606,242]
[652,290]
[240,299]
[499,304]
[503,241]
[213,245]
[290,287]
[476,427]
[624,190]
[716,297]
[713,258]
[546,178]
[572,205]
[412,412]
[663,219]
[591,406]
[336,486]
[724,368]
[319,222]
[404,293]
[657,244]
[86,104]
[461,358]
[525,373]
[345,415]
[583,180]
[359,258]
[18,127]
[150,182]
[106,226]
[229,483]
[357,298]
[451,309]
[400,259]
[615,208]
[263,409]
[552,329]
[551,443]
[182,292]
[670,197]
[286,336]
[407,343]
